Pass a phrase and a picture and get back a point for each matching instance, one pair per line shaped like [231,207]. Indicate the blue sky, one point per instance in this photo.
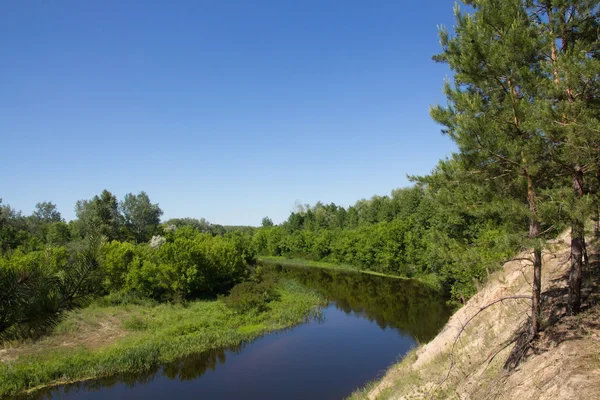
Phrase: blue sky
[227,110]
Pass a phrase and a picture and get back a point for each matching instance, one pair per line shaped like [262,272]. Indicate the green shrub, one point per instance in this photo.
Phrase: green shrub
[251,296]
[116,261]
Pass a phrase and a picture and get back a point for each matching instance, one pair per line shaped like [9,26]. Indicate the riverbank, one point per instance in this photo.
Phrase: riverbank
[101,341]
[563,363]
[298,262]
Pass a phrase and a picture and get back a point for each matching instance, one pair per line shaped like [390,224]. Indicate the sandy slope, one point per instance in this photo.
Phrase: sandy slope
[563,364]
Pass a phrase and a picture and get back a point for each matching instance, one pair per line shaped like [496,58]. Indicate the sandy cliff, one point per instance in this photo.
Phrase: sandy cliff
[563,363]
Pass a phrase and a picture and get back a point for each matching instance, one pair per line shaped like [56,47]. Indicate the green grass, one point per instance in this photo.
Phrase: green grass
[151,335]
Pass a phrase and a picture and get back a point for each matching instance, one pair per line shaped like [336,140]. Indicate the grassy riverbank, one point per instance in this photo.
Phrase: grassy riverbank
[100,341]
[298,262]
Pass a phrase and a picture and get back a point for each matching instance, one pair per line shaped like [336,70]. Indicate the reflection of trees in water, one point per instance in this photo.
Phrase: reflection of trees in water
[186,369]
[130,380]
[193,367]
[407,305]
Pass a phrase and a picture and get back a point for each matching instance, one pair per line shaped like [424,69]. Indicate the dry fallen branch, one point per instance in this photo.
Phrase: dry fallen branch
[462,329]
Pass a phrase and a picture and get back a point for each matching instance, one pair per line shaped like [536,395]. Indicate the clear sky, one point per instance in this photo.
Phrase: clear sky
[227,110]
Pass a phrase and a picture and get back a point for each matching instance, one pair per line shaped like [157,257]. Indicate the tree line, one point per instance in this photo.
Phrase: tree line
[421,231]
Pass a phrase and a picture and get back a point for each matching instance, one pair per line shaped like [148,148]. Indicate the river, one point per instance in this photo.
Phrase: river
[369,323]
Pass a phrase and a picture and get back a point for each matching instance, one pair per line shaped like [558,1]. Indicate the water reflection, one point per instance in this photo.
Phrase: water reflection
[403,304]
[370,322]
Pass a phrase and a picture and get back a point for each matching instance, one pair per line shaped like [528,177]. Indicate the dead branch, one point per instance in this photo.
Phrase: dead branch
[502,347]
[462,329]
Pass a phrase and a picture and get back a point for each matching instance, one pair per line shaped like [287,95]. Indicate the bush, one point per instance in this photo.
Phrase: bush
[116,260]
[251,296]
[188,265]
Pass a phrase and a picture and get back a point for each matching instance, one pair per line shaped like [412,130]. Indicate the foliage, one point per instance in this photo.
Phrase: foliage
[188,264]
[266,221]
[46,212]
[58,234]
[101,215]
[201,225]
[418,231]
[157,241]
[13,228]
[37,287]
[251,296]
[116,258]
[141,217]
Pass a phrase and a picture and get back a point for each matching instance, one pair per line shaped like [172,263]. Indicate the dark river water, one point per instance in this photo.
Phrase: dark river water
[369,324]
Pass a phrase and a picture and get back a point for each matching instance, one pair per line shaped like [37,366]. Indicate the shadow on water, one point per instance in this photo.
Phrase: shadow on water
[371,321]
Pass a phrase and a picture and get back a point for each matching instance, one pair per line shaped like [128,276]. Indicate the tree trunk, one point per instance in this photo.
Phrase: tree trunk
[534,231]
[574,304]
[596,215]
[536,289]
[596,220]
[577,244]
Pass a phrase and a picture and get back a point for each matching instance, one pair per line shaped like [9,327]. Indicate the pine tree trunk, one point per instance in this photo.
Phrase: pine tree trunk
[577,243]
[596,220]
[536,291]
[534,231]
[574,304]
[596,215]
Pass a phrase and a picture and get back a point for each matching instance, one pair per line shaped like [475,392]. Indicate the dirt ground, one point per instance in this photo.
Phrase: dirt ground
[87,331]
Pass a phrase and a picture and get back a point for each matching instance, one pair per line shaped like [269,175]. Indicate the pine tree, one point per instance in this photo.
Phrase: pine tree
[569,62]
[492,111]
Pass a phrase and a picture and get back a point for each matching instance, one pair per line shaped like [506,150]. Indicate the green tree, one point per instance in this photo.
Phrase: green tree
[14,230]
[201,225]
[100,214]
[570,61]
[46,212]
[141,217]
[492,110]
[266,222]
[58,234]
